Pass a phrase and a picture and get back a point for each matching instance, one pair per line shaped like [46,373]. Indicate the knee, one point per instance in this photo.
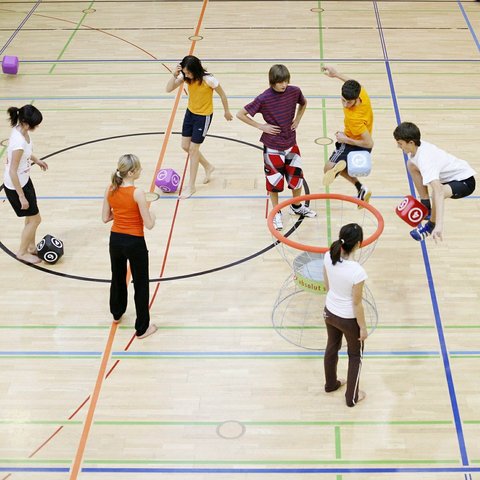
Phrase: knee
[185,148]
[193,149]
[36,220]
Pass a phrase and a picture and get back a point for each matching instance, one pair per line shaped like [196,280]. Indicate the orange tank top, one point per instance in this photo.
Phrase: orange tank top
[126,215]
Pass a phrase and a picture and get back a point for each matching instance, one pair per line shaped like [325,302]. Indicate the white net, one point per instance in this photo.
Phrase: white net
[298,310]
[320,231]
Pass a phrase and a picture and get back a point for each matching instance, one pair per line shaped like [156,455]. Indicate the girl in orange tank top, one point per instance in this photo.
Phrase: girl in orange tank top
[127,207]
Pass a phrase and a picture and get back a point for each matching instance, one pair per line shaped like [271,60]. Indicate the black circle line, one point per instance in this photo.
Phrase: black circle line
[161,279]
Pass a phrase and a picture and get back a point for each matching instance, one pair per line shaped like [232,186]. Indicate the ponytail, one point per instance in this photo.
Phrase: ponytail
[348,239]
[13,113]
[126,163]
[335,251]
[27,114]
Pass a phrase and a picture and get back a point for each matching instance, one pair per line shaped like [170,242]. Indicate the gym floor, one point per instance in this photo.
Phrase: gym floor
[217,393]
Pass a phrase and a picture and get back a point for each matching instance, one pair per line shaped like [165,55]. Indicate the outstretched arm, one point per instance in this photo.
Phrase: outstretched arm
[224,99]
[333,73]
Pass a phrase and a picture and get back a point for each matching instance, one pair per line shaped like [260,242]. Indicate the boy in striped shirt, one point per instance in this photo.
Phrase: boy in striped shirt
[281,155]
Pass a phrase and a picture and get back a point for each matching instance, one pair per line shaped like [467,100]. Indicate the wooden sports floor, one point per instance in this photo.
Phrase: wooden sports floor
[218,393]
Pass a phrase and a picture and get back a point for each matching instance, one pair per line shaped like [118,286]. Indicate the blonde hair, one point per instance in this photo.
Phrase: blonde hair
[126,163]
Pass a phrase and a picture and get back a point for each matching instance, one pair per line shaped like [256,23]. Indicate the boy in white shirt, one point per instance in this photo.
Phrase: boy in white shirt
[447,176]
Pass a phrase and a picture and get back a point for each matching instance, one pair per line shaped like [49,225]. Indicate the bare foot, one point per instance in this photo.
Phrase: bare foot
[188,192]
[32,251]
[150,331]
[28,257]
[208,173]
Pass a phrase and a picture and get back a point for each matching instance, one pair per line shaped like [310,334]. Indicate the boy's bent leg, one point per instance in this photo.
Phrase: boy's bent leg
[332,170]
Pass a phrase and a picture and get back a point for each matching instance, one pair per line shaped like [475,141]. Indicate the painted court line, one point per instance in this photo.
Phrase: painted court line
[98,385]
[426,261]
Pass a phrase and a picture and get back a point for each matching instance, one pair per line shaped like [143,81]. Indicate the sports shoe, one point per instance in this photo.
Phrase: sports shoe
[422,231]
[277,221]
[364,194]
[330,176]
[302,210]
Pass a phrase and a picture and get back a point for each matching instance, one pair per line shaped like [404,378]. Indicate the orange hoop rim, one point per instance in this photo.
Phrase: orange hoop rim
[323,196]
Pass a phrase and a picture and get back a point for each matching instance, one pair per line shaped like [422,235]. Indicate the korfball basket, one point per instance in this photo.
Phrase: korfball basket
[297,314]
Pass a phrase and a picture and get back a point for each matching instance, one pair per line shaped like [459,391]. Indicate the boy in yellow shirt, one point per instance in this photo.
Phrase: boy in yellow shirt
[357,134]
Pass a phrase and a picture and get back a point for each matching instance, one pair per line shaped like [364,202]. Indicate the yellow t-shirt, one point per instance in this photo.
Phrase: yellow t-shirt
[359,118]
[200,97]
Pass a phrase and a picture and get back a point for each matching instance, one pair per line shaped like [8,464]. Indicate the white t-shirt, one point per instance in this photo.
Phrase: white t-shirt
[18,142]
[341,278]
[437,164]
[209,79]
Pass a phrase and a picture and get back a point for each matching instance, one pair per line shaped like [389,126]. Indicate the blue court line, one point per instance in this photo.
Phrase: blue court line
[193,354]
[247,470]
[14,34]
[465,16]
[426,261]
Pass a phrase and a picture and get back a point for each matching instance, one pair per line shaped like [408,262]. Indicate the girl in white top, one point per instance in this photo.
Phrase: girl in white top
[19,188]
[343,314]
[447,176]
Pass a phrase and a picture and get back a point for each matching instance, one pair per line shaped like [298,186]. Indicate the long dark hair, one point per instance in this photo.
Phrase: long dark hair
[194,66]
[27,114]
[348,238]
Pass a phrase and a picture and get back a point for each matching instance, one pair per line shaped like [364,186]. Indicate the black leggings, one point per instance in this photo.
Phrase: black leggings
[134,249]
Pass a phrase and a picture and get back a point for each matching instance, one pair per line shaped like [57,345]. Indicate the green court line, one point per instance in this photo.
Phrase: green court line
[324,130]
[259,357]
[225,327]
[166,356]
[32,461]
[338,443]
[222,327]
[280,423]
[75,30]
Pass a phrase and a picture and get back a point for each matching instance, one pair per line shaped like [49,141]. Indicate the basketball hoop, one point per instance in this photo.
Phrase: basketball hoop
[303,242]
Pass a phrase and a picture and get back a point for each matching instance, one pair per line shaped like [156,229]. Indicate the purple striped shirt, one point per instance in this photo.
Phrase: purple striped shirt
[278,108]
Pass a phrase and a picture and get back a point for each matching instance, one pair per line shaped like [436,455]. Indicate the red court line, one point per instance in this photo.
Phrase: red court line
[108,347]
[75,469]
[93,403]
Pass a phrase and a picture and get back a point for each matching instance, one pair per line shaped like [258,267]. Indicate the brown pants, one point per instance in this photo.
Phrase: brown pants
[336,328]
